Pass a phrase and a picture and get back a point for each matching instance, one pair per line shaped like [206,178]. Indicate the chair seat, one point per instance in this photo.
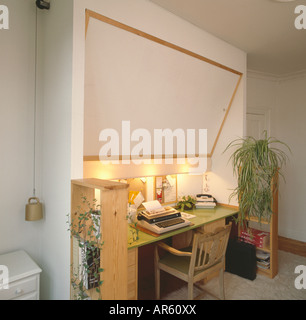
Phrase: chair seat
[178,263]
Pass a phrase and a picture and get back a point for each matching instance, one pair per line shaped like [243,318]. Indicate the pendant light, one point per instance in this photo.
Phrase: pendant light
[34,208]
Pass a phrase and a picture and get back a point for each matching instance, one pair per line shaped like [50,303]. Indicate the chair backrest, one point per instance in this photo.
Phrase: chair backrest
[209,248]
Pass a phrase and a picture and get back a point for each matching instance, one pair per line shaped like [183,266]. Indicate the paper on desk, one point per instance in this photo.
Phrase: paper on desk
[153,206]
[187,215]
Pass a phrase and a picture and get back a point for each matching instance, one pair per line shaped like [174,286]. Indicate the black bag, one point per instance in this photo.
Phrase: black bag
[240,259]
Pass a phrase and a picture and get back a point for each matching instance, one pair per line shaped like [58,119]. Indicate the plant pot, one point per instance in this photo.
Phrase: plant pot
[187,208]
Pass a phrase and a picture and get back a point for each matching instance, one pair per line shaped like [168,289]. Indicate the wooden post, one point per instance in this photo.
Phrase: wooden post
[113,226]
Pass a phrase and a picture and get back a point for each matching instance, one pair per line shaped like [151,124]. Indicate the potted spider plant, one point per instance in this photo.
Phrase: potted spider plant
[186,202]
[257,164]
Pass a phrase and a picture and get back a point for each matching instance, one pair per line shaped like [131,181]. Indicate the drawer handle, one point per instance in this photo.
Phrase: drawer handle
[18,291]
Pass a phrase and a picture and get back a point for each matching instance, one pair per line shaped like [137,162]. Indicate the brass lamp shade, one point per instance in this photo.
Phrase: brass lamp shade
[33,210]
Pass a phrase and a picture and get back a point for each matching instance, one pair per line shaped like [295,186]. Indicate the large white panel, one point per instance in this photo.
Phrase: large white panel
[131,78]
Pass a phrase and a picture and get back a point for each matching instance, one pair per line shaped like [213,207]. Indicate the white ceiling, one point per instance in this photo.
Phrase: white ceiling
[262,28]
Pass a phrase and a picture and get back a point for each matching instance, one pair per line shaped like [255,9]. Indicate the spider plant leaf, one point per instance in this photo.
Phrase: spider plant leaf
[256,163]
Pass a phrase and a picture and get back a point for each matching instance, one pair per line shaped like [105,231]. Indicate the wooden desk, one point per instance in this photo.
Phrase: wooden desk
[119,257]
[208,219]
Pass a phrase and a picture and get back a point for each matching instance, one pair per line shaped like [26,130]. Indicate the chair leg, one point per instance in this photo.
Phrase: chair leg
[221,284]
[190,290]
[157,283]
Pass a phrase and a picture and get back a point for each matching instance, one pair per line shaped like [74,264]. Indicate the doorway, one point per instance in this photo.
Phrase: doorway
[257,121]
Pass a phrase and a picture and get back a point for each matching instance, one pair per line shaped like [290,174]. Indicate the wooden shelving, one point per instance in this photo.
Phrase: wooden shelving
[113,198]
[272,249]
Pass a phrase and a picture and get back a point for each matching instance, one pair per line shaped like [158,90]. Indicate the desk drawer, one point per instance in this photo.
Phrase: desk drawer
[19,288]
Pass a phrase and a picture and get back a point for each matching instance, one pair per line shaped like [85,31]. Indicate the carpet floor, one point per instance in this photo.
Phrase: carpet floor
[281,287]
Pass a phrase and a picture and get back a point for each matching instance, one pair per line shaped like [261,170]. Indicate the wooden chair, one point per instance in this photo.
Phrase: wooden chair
[205,257]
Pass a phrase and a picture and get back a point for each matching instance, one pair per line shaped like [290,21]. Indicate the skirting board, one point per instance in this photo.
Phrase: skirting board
[293,246]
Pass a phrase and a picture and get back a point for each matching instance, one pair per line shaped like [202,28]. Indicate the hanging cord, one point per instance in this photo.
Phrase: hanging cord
[35,98]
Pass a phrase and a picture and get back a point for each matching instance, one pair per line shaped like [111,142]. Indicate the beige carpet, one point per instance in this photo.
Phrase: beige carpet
[262,288]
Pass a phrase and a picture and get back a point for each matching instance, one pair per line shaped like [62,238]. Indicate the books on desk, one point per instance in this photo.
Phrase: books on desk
[168,213]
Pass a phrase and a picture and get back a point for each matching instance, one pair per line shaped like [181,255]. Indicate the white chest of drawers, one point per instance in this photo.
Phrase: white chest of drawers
[23,277]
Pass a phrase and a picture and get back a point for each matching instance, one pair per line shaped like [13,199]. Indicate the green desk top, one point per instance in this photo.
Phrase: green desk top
[203,216]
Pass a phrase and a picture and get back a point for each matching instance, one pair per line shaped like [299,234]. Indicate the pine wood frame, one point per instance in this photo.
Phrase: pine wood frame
[154,189]
[272,249]
[114,254]
[91,14]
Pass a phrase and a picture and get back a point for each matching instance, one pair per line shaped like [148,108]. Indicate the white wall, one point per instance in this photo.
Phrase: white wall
[152,86]
[41,239]
[56,89]
[47,240]
[60,129]
[285,98]
[17,129]
[148,17]
[290,127]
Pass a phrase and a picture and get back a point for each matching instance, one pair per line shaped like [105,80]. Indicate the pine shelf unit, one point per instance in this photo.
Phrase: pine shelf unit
[113,198]
[272,225]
